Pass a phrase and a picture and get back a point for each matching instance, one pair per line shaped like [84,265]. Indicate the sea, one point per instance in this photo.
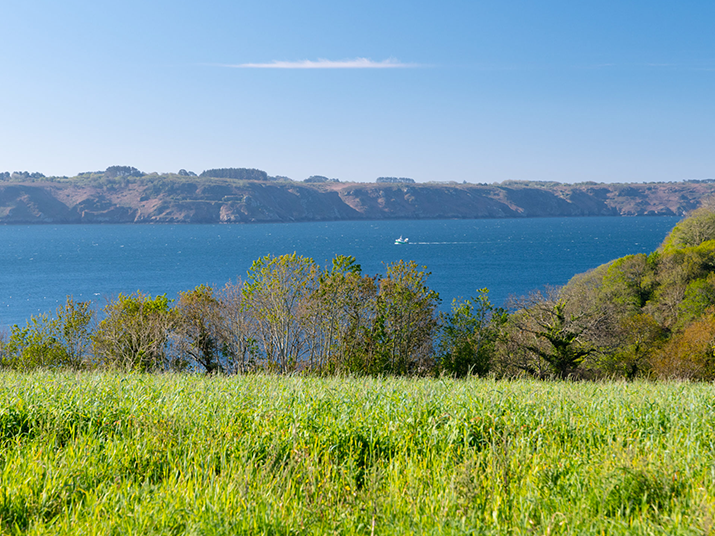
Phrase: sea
[41,265]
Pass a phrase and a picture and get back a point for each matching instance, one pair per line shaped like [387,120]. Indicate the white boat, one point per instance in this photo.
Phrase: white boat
[401,240]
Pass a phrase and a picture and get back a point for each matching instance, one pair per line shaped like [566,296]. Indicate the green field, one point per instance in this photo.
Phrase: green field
[182,454]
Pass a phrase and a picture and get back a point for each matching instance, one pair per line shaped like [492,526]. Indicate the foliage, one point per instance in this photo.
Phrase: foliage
[469,335]
[277,292]
[48,341]
[122,171]
[402,336]
[639,336]
[697,228]
[343,311]
[243,174]
[134,334]
[239,336]
[553,332]
[690,354]
[201,330]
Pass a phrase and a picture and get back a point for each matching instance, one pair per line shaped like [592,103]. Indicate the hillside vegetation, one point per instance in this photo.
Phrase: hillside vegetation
[639,316]
[123,194]
[256,454]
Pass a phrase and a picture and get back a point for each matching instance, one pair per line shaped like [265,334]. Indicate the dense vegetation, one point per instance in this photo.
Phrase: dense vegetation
[641,315]
[187,454]
[365,444]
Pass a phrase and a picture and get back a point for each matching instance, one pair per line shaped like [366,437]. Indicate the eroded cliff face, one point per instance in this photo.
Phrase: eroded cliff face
[197,200]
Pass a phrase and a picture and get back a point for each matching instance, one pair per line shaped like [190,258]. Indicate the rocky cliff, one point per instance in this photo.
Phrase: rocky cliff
[174,199]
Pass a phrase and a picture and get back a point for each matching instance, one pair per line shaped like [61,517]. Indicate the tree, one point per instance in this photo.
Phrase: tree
[469,334]
[405,324]
[47,341]
[241,346]
[697,228]
[699,296]
[243,174]
[553,334]
[122,171]
[638,338]
[277,293]
[689,354]
[202,330]
[341,310]
[134,334]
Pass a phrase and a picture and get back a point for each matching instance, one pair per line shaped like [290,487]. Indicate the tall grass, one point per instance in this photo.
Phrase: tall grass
[182,454]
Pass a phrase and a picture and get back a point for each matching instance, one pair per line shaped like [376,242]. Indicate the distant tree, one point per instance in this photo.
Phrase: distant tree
[25,175]
[319,178]
[184,173]
[395,180]
[243,174]
[5,176]
[113,172]
[697,228]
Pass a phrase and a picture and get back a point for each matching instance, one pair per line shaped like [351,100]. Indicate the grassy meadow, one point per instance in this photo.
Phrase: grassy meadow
[91,453]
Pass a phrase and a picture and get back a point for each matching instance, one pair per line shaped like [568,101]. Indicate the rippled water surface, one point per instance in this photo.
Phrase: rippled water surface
[40,265]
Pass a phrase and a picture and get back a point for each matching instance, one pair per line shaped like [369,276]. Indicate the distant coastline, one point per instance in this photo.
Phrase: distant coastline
[180,198]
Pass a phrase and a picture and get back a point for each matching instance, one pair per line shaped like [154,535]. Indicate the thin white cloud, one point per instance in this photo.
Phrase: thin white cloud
[357,63]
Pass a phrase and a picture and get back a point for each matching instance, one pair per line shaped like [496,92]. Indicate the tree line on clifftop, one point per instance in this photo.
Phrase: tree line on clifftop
[637,316]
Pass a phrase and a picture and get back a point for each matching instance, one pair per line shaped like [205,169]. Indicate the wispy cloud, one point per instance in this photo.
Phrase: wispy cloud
[357,63]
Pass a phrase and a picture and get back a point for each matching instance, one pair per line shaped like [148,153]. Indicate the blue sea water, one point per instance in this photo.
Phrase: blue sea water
[41,265]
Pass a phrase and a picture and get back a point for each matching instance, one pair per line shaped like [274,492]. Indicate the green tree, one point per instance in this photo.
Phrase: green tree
[639,337]
[342,310]
[241,346]
[552,333]
[405,323]
[699,296]
[277,294]
[51,341]
[134,334]
[201,329]
[697,228]
[469,334]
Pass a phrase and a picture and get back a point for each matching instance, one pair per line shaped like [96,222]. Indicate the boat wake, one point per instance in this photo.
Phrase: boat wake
[442,243]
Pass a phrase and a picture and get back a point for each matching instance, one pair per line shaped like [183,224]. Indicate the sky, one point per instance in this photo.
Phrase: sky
[476,91]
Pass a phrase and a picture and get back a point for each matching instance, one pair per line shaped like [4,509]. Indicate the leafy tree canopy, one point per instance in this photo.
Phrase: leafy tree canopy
[244,174]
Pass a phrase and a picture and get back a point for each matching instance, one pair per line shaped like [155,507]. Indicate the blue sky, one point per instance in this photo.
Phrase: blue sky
[571,91]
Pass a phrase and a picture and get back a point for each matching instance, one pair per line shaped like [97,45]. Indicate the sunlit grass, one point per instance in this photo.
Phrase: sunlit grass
[176,454]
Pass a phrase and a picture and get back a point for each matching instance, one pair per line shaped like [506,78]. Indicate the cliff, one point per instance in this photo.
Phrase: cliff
[176,199]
